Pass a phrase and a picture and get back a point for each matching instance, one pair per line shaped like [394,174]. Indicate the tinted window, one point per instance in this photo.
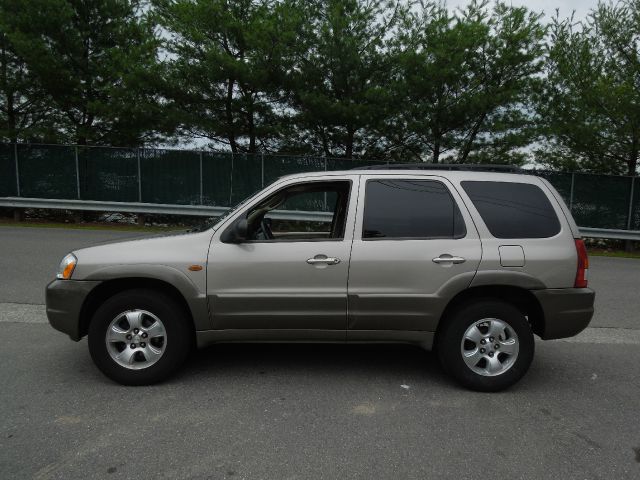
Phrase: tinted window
[513,210]
[410,209]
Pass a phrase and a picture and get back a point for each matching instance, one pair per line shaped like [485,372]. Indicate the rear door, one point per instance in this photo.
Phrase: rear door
[414,246]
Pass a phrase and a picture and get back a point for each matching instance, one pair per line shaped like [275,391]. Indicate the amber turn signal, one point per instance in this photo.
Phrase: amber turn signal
[67,265]
[195,268]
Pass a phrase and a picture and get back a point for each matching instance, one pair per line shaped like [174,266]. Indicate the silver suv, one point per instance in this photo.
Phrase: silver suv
[469,262]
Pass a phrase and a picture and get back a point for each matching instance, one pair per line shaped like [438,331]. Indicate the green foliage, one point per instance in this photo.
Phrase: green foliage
[408,80]
[465,80]
[226,65]
[340,88]
[590,104]
[25,111]
[95,59]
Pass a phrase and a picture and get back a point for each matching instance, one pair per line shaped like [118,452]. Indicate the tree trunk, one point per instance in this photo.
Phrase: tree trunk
[325,142]
[436,150]
[348,149]
[472,136]
[231,136]
[11,119]
[252,127]
[632,163]
[11,112]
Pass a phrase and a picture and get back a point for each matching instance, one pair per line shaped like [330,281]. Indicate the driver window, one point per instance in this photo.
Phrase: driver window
[308,211]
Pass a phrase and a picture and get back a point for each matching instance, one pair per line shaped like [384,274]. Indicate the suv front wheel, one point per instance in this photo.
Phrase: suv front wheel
[486,346]
[139,337]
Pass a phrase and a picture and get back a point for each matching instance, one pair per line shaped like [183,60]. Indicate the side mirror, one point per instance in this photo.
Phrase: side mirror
[236,233]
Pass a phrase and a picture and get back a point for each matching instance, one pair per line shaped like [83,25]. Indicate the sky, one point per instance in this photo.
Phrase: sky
[581,7]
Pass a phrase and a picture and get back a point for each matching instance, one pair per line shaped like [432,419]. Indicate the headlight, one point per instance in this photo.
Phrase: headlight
[67,265]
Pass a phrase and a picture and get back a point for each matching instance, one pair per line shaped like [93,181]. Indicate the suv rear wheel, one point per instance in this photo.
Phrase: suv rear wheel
[486,346]
[139,337]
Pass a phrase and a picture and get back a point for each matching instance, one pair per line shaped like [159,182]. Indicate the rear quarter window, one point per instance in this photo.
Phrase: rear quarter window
[513,210]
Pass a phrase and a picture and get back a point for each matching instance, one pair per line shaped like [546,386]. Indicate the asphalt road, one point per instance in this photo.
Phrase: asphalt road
[311,411]
[32,255]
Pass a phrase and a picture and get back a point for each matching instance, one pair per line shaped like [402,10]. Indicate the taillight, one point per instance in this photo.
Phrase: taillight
[583,264]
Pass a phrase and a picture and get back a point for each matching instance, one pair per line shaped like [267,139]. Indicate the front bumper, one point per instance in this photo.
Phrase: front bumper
[567,311]
[64,299]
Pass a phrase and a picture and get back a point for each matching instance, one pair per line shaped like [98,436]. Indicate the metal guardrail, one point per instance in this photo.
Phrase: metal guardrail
[150,208]
[209,211]
[610,233]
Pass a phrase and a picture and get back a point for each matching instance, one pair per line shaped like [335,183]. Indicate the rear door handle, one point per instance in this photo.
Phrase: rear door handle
[446,258]
[322,259]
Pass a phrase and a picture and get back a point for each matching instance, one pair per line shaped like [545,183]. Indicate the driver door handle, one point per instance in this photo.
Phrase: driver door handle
[326,260]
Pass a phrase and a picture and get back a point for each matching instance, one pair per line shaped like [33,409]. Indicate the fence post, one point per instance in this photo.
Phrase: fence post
[325,193]
[630,213]
[15,154]
[139,176]
[77,173]
[231,182]
[201,182]
[573,181]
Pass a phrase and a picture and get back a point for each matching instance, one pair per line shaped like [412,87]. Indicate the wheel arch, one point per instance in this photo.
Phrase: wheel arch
[109,288]
[519,297]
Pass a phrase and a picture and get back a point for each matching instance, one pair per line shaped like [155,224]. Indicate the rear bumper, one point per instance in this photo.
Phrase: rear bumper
[567,311]
[64,299]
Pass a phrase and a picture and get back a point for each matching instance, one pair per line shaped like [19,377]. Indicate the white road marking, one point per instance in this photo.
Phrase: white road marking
[22,313]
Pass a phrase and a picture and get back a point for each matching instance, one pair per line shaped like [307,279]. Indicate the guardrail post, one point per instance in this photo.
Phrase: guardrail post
[201,182]
[15,155]
[77,173]
[628,245]
[630,213]
[139,176]
[573,182]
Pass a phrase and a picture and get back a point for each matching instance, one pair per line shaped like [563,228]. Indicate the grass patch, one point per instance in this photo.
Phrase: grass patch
[598,252]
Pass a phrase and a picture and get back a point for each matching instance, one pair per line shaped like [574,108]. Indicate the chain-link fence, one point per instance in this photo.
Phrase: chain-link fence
[188,177]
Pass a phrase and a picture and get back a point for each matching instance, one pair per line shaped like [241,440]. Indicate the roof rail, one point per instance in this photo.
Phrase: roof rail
[444,166]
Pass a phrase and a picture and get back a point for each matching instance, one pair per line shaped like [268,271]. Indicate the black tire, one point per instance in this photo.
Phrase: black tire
[179,336]
[450,337]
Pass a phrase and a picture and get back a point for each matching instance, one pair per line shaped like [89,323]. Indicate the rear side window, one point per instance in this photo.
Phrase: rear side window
[513,210]
[410,209]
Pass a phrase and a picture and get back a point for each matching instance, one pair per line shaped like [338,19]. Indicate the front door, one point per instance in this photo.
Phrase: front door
[291,272]
[414,244]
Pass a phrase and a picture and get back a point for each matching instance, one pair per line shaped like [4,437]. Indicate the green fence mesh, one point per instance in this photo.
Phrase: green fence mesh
[108,174]
[216,179]
[279,166]
[7,171]
[222,179]
[561,181]
[47,171]
[170,176]
[246,176]
[601,201]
